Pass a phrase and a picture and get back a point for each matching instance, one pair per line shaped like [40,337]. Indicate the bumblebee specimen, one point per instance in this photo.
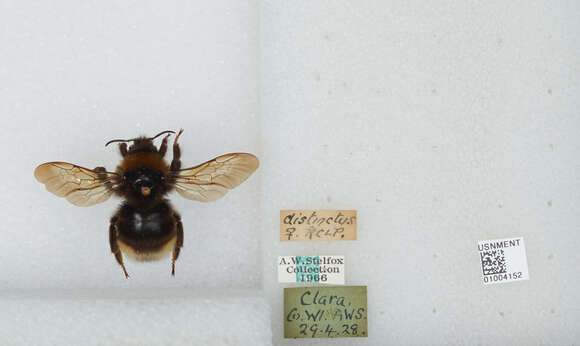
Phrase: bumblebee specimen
[145,227]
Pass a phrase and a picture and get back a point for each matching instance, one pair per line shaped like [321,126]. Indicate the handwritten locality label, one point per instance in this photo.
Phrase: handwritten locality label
[325,312]
[309,225]
[311,269]
[503,260]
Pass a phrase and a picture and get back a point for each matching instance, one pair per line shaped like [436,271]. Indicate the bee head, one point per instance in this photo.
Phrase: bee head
[144,182]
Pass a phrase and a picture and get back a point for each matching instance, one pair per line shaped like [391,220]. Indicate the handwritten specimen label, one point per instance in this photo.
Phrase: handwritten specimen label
[325,312]
[311,269]
[503,260]
[309,225]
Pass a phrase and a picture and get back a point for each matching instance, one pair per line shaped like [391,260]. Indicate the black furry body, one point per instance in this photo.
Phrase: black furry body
[145,227]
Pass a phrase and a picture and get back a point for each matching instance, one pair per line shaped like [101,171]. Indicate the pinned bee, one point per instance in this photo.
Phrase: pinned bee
[146,227]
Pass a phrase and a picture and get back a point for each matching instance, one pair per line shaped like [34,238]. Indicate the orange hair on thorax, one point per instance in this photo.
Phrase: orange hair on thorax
[153,160]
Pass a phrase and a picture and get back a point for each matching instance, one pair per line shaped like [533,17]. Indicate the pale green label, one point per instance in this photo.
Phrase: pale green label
[325,312]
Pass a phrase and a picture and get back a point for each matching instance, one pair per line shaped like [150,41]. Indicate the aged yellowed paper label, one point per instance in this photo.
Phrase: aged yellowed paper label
[312,225]
[325,312]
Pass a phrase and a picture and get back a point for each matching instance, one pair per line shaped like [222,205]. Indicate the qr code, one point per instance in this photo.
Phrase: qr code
[493,262]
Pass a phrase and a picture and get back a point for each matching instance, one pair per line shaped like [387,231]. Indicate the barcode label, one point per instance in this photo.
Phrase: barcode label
[503,260]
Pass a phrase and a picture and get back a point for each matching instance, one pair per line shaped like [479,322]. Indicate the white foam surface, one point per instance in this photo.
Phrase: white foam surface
[134,317]
[442,123]
[75,75]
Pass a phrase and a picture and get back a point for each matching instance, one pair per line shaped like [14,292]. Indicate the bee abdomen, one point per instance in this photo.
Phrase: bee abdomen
[147,254]
[146,235]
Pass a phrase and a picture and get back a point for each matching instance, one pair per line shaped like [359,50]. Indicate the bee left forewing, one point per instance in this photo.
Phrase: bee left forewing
[212,180]
[80,186]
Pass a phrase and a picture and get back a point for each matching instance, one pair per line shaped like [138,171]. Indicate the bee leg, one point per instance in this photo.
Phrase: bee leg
[178,242]
[101,171]
[123,149]
[176,162]
[163,147]
[114,246]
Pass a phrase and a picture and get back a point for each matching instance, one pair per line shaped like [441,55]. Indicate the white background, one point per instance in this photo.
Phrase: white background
[442,123]
[75,75]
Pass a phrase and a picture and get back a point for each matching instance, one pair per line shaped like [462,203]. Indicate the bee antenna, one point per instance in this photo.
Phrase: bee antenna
[132,139]
[118,140]
[161,133]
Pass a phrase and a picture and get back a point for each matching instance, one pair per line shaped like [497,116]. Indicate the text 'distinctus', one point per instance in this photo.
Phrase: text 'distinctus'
[313,225]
